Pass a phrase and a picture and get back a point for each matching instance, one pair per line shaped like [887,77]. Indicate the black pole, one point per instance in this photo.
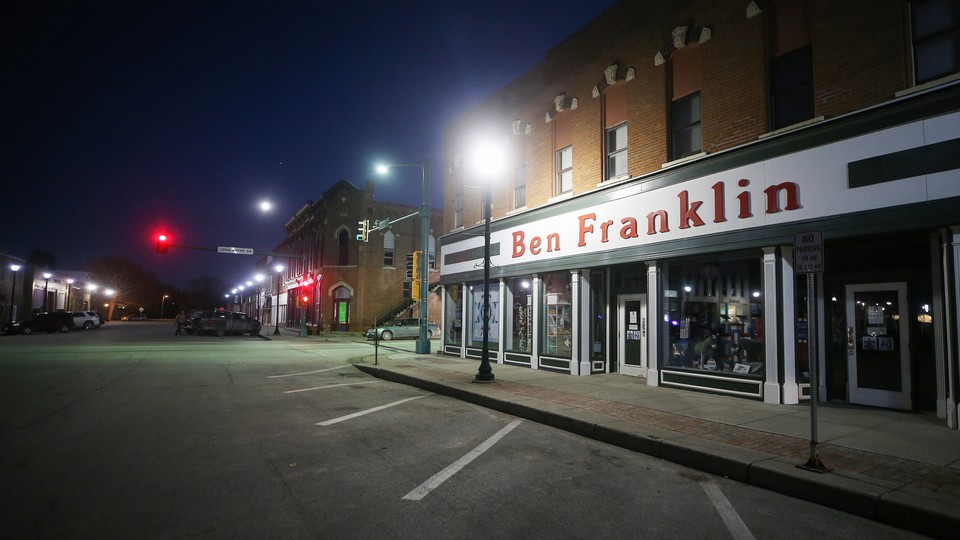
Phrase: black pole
[46,293]
[13,293]
[276,308]
[485,373]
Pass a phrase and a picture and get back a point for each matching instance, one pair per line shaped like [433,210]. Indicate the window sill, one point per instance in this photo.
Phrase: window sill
[683,160]
[517,210]
[561,197]
[792,127]
[927,85]
[616,180]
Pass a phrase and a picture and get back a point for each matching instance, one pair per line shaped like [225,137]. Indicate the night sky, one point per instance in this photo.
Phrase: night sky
[121,118]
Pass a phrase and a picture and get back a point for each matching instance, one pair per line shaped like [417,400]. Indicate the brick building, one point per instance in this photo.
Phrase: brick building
[662,162]
[335,281]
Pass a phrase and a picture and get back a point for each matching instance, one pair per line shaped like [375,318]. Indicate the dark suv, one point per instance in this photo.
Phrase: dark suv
[49,322]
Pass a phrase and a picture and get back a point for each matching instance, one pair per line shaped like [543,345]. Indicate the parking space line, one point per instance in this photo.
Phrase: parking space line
[425,488]
[306,372]
[368,411]
[738,529]
[329,386]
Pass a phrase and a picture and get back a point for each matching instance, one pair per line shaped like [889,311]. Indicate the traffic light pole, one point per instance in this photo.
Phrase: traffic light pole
[423,342]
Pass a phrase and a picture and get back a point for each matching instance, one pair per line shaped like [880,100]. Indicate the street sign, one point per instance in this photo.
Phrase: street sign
[808,252]
[235,250]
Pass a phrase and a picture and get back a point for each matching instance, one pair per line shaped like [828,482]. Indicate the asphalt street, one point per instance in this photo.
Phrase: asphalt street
[129,431]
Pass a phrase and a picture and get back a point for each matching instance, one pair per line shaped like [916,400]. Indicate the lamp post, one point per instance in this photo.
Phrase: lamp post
[162,300]
[276,307]
[259,279]
[69,290]
[487,162]
[423,342]
[90,288]
[13,291]
[46,288]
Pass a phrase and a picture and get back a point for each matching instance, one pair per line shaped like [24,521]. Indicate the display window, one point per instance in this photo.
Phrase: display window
[453,314]
[474,330]
[519,321]
[557,315]
[714,316]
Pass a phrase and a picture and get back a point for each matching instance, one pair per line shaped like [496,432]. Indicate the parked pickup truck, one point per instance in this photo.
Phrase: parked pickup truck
[221,323]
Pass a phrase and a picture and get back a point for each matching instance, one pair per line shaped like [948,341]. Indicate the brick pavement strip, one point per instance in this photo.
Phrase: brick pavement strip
[886,470]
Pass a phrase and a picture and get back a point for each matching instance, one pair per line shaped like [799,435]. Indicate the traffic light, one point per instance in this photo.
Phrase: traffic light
[415,287]
[363,230]
[163,243]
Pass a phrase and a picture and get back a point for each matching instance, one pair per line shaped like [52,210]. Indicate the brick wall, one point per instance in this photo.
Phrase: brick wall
[860,55]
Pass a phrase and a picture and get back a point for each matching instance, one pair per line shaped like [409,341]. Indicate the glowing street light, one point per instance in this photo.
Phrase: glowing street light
[13,291]
[162,300]
[423,341]
[46,287]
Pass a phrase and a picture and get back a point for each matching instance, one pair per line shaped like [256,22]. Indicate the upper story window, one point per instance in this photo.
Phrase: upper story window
[791,67]
[615,132]
[616,143]
[343,248]
[685,135]
[432,251]
[565,169]
[458,210]
[936,39]
[563,149]
[520,187]
[389,240]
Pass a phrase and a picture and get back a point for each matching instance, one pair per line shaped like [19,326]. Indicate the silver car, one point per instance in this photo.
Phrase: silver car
[402,328]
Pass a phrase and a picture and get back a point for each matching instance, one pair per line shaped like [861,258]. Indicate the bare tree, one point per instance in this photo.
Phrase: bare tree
[132,284]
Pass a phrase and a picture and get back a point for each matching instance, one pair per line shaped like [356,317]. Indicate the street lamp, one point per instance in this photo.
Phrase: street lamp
[276,307]
[487,161]
[13,290]
[46,287]
[162,300]
[423,342]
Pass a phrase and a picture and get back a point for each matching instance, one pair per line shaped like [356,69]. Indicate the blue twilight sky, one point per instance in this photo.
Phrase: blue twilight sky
[120,117]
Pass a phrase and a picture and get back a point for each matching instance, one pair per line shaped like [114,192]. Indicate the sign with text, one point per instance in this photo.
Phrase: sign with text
[235,250]
[808,252]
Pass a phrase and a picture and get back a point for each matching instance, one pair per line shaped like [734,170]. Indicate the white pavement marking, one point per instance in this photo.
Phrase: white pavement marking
[329,386]
[368,411]
[730,517]
[434,482]
[306,372]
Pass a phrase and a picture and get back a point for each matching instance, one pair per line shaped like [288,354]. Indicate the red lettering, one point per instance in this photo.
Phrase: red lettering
[629,229]
[652,222]
[719,212]
[604,234]
[518,248]
[688,212]
[773,197]
[744,199]
[584,229]
[535,245]
[553,242]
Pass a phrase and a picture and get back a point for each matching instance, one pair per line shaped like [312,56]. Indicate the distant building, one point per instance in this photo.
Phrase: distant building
[334,281]
[662,160]
[25,292]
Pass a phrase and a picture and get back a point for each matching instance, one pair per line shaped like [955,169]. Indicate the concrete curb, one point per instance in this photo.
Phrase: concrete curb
[872,501]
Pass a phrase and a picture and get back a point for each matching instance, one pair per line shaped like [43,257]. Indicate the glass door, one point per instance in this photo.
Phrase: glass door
[632,334]
[878,349]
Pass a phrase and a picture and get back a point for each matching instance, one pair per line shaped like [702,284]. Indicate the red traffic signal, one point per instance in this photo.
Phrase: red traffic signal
[163,243]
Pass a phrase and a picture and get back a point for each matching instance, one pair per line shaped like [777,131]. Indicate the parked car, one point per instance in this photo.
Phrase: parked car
[222,323]
[134,317]
[44,322]
[402,328]
[86,319]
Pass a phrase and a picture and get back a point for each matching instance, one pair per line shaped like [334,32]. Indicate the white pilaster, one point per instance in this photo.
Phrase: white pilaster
[537,327]
[791,389]
[653,323]
[501,328]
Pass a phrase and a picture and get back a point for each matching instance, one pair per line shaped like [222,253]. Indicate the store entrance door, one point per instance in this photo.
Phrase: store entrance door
[632,334]
[878,345]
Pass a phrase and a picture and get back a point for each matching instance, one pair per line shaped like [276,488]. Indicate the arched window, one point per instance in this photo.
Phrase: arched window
[791,67]
[685,135]
[388,246]
[615,130]
[343,251]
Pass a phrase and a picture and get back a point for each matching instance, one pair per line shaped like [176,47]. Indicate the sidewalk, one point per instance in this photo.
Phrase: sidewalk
[898,468]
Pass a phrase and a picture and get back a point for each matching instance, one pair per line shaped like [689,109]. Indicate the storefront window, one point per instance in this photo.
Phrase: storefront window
[557,315]
[714,316]
[475,327]
[453,314]
[519,330]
